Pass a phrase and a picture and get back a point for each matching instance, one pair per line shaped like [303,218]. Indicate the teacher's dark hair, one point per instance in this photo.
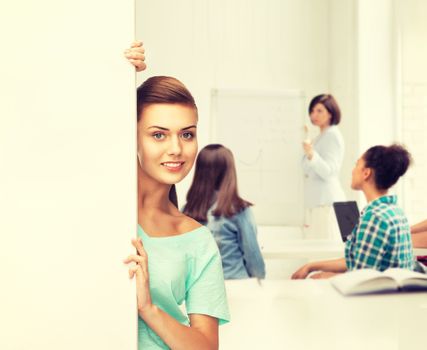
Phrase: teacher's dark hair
[163,90]
[388,163]
[331,105]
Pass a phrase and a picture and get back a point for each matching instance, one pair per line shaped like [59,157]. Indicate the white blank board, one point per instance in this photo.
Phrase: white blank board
[264,130]
[67,175]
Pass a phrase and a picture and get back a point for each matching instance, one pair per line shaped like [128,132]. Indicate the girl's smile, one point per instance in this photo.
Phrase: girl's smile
[173,166]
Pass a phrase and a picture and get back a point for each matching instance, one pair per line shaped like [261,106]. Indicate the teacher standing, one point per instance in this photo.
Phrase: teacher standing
[322,163]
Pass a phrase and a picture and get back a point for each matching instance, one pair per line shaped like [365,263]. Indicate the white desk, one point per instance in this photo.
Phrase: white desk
[311,314]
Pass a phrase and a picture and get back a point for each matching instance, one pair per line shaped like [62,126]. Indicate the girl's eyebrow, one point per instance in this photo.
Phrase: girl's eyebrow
[157,127]
[166,129]
[189,127]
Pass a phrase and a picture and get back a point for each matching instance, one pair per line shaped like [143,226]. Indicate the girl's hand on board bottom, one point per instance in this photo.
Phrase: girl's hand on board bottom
[139,268]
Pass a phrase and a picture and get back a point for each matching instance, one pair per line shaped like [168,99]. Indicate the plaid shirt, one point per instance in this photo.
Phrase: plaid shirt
[381,239]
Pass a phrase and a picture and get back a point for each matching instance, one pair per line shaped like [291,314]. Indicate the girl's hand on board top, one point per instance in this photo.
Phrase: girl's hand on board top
[136,55]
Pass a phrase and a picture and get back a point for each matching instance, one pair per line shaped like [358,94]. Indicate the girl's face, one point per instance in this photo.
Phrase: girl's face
[320,116]
[167,141]
[360,174]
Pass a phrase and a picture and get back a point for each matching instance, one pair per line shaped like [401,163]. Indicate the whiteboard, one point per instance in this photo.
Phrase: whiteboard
[67,175]
[264,130]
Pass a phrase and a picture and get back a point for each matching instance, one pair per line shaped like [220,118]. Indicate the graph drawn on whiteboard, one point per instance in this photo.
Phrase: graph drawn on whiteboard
[264,130]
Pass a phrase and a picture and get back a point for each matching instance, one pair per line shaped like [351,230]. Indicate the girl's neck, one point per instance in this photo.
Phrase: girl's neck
[372,193]
[152,194]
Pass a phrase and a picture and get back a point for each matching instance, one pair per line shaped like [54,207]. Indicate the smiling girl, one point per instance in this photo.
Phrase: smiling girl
[177,261]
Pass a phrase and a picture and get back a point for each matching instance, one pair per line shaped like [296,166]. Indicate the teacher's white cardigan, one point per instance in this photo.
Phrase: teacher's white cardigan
[321,180]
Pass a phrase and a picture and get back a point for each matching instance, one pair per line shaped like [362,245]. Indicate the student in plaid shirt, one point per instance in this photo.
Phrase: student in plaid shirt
[382,238]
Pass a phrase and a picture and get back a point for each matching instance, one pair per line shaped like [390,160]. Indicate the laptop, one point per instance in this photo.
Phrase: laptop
[347,214]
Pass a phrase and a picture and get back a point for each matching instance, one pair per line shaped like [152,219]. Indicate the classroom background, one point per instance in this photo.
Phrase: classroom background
[369,54]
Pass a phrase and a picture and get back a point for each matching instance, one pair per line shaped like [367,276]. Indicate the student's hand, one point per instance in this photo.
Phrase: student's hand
[302,272]
[323,275]
[136,55]
[308,149]
[140,270]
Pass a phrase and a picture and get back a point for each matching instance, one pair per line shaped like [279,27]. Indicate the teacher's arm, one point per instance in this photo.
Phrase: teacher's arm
[329,163]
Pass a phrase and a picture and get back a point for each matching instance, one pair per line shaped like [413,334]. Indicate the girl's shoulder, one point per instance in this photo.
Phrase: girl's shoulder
[187,224]
[200,234]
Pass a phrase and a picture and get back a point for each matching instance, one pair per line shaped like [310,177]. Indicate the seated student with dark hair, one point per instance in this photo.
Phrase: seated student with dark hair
[382,237]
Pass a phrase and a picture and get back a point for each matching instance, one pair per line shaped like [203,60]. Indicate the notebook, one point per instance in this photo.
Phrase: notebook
[347,214]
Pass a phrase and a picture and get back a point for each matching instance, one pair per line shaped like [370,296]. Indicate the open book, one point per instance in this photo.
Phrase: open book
[372,281]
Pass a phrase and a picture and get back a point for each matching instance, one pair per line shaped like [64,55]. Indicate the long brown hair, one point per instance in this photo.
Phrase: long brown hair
[166,90]
[214,181]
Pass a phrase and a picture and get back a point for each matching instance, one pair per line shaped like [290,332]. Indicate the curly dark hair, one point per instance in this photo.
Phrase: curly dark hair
[388,163]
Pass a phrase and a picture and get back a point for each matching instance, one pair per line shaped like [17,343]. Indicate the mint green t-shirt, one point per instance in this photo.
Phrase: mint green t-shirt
[185,268]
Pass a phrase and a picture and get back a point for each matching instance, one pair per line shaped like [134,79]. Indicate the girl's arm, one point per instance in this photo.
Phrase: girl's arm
[203,330]
[420,227]
[419,239]
[247,236]
[335,266]
[202,333]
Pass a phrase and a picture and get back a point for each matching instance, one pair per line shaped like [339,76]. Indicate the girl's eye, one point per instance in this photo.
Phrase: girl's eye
[158,136]
[187,135]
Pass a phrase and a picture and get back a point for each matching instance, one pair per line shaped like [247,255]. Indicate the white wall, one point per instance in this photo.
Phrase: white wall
[375,97]
[343,81]
[413,112]
[67,175]
[376,73]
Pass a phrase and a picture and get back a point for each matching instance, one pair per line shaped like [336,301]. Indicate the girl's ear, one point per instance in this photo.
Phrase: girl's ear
[138,149]
[367,173]
[139,158]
